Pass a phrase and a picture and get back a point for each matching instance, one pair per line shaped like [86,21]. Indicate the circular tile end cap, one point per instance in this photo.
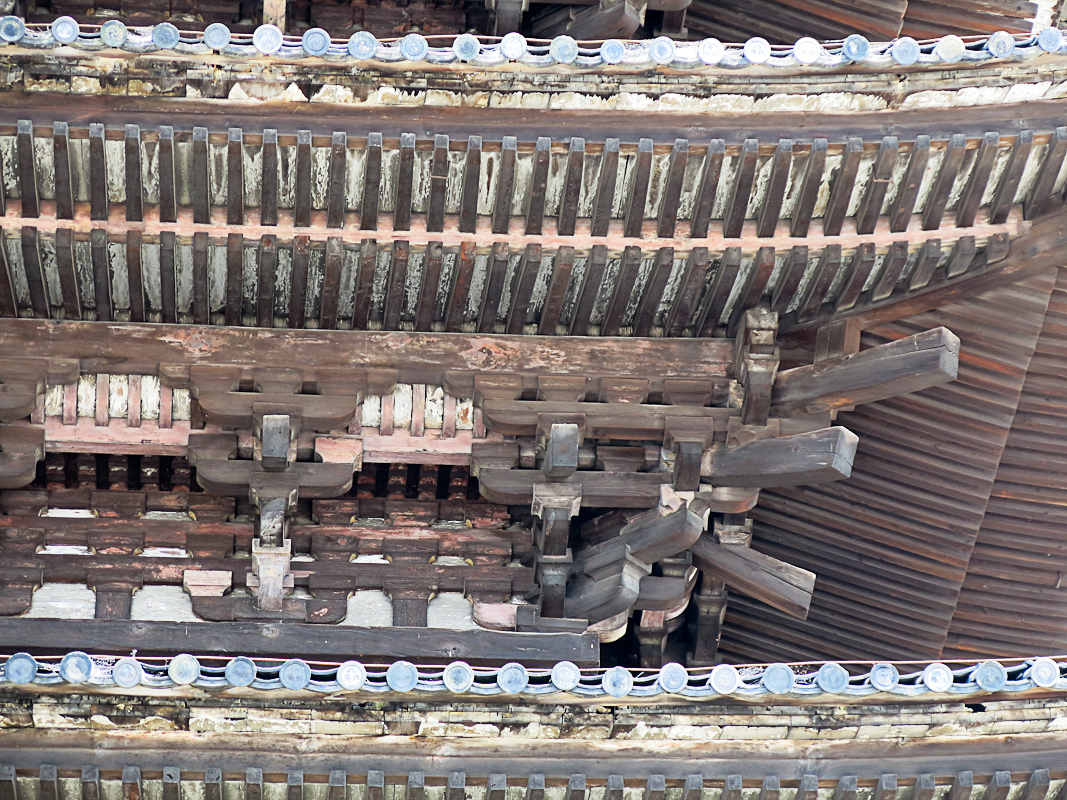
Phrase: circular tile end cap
[807,50]
[183,669]
[832,678]
[294,674]
[76,667]
[724,679]
[950,48]
[613,51]
[711,51]
[513,46]
[884,676]
[20,669]
[778,679]
[1050,39]
[661,50]
[127,672]
[991,676]
[856,47]
[673,677]
[458,677]
[512,678]
[563,49]
[1001,44]
[566,676]
[65,30]
[466,47]
[12,29]
[165,36]
[402,676]
[267,39]
[414,47]
[937,677]
[217,36]
[315,42]
[617,682]
[362,45]
[113,33]
[351,676]
[240,671]
[757,50]
[905,51]
[1044,672]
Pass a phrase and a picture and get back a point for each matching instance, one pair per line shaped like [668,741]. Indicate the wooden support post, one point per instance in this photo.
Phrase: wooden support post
[274,13]
[64,193]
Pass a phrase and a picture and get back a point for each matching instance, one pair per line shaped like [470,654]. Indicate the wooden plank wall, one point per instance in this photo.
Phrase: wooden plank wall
[891,545]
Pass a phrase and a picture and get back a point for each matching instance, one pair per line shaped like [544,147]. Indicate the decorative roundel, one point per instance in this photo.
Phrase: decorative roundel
[724,679]
[351,676]
[617,682]
[12,29]
[757,50]
[673,677]
[832,678]
[466,47]
[362,45]
[950,48]
[513,46]
[937,677]
[294,674]
[65,30]
[563,49]
[1044,672]
[21,668]
[183,669]
[414,47]
[315,42]
[127,672]
[807,50]
[884,676]
[905,51]
[711,51]
[240,671]
[1050,39]
[267,39]
[778,679]
[76,667]
[401,676]
[512,678]
[113,33]
[855,47]
[1001,44]
[217,36]
[565,676]
[165,36]
[613,51]
[990,676]
[661,50]
[458,677]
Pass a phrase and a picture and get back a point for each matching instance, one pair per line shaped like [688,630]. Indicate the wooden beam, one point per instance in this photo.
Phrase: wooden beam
[804,458]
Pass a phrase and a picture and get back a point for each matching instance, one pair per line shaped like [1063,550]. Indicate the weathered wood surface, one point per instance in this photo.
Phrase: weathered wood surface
[804,458]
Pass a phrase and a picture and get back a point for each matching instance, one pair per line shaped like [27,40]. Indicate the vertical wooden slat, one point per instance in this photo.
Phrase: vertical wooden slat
[522,288]
[331,282]
[431,279]
[168,193]
[1041,192]
[337,180]
[98,199]
[808,195]
[418,409]
[338,783]
[877,186]
[694,788]
[90,784]
[70,404]
[268,270]
[167,278]
[709,187]
[605,193]
[456,788]
[133,402]
[820,282]
[134,276]
[199,178]
[395,291]
[770,789]
[435,210]
[31,261]
[714,303]
[903,205]
[31,206]
[8,783]
[494,287]
[505,186]
[1004,197]
[575,788]
[3,190]
[61,163]
[101,274]
[962,787]
[497,788]
[131,783]
[368,262]
[662,267]
[859,269]
[68,278]
[295,785]
[213,783]
[375,785]
[846,789]
[562,267]
[925,788]
[732,788]
[103,394]
[638,194]
[892,266]
[841,192]
[254,784]
[629,266]
[737,205]
[959,261]
[372,181]
[298,280]
[201,300]
[572,188]
[405,178]
[535,787]
[461,285]
[594,275]
[235,177]
[172,781]
[672,191]
[302,181]
[134,188]
[1037,785]
[977,181]
[535,211]
[688,294]
[268,202]
[925,263]
[235,278]
[938,198]
[8,297]
[468,199]
[416,786]
[755,284]
[49,782]
[771,209]
[793,272]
